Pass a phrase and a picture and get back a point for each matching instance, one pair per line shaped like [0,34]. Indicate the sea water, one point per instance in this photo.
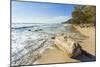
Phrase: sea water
[32,37]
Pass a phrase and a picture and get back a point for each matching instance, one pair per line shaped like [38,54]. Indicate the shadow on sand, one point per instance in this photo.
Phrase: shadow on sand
[85,57]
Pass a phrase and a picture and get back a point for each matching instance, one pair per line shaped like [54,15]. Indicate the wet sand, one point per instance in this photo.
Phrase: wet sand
[54,55]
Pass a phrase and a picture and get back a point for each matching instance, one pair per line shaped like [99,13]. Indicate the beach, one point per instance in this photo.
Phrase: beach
[35,43]
[89,43]
[54,55]
[29,41]
[52,33]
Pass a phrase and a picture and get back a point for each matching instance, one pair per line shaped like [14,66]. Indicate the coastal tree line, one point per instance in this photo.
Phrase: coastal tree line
[83,14]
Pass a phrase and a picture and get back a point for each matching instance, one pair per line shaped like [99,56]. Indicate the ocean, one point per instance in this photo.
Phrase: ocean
[31,39]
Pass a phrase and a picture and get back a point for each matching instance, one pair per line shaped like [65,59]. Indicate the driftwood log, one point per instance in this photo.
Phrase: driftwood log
[68,45]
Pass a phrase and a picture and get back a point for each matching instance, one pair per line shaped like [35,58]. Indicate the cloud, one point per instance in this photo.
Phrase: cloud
[61,18]
[57,19]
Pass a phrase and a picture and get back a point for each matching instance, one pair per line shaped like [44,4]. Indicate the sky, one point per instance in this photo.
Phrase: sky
[35,12]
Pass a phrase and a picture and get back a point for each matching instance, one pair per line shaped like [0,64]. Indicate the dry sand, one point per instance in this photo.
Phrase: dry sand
[54,55]
[89,43]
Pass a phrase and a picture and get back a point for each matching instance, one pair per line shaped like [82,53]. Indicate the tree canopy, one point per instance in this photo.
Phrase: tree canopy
[84,14]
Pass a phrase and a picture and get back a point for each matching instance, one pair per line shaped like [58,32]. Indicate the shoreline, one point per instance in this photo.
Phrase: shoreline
[55,55]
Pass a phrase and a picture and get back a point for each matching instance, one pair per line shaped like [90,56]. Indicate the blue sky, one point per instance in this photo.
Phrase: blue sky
[33,12]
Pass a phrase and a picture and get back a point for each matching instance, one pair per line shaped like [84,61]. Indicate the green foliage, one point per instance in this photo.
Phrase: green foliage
[68,21]
[84,14]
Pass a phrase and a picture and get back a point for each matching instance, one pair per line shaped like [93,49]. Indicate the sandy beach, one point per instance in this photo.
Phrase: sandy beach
[59,33]
[54,55]
[89,43]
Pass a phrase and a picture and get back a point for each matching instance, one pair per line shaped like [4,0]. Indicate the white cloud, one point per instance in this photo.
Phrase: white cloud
[57,19]
[61,18]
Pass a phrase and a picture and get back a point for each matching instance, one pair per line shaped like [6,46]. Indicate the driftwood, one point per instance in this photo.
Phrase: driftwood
[68,45]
